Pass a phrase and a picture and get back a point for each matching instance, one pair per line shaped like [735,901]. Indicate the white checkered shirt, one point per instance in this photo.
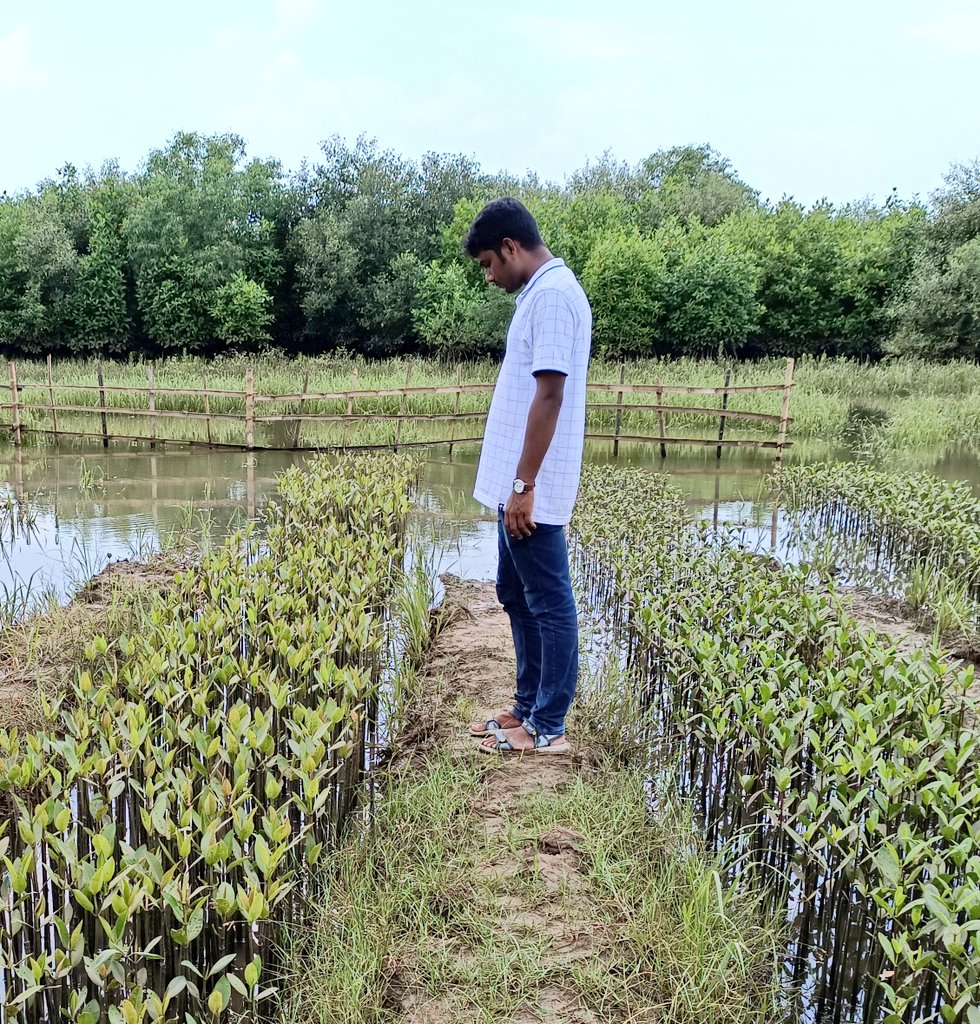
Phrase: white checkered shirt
[551,330]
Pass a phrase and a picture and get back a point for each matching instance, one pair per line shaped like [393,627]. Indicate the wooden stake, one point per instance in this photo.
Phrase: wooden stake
[153,406]
[14,402]
[619,410]
[250,408]
[660,418]
[207,406]
[302,407]
[105,427]
[403,407]
[724,406]
[350,408]
[54,408]
[459,395]
[784,413]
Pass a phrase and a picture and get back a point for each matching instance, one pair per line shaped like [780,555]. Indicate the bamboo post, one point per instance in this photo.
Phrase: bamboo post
[459,395]
[250,484]
[784,412]
[350,408]
[302,406]
[18,488]
[54,408]
[619,410]
[250,408]
[105,428]
[153,406]
[207,406]
[661,422]
[714,518]
[403,407]
[14,402]
[724,406]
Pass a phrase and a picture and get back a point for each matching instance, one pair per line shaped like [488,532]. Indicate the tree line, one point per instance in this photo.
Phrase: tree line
[204,250]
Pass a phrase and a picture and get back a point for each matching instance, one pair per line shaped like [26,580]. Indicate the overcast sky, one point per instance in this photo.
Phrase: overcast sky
[839,99]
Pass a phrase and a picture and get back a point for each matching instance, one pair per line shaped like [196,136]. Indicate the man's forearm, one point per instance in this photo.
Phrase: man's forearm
[542,419]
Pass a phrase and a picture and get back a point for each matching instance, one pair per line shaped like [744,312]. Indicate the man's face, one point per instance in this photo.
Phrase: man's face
[501,269]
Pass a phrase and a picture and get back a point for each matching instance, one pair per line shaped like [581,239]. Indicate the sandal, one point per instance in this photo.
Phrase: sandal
[543,744]
[494,725]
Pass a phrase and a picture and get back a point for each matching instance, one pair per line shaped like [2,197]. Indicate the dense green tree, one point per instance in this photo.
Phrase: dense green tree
[205,248]
[459,319]
[939,316]
[242,312]
[202,218]
[710,306]
[386,206]
[98,310]
[626,281]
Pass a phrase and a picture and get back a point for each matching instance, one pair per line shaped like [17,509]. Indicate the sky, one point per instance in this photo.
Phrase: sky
[837,100]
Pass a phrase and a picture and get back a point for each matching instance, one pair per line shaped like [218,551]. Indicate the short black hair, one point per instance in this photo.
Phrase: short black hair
[500,219]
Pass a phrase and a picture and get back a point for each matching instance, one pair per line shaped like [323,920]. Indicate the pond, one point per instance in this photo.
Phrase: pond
[67,511]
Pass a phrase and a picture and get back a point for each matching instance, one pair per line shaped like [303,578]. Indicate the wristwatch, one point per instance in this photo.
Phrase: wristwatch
[521,487]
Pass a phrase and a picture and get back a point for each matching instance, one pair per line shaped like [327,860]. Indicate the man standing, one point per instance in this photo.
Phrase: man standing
[529,471]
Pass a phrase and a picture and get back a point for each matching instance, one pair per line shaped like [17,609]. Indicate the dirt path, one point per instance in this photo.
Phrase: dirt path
[470,676]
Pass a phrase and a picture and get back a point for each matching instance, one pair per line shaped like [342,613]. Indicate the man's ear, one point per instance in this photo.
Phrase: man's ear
[508,248]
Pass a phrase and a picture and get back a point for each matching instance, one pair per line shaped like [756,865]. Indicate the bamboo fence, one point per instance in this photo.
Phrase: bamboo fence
[149,423]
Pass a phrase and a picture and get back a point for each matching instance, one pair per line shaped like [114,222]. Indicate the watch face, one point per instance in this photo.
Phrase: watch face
[518,486]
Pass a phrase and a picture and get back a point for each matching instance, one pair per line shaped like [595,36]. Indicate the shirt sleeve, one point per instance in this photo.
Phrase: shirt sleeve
[552,333]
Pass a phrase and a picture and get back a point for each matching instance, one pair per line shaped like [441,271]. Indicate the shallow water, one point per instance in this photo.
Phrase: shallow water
[67,511]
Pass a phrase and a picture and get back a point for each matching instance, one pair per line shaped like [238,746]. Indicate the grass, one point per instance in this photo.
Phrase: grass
[433,912]
[886,407]
[40,650]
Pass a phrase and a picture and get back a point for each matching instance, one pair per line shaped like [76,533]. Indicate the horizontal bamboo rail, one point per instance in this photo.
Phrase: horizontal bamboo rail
[249,415]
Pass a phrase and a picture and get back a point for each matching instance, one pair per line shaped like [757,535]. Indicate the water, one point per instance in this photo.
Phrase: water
[66,512]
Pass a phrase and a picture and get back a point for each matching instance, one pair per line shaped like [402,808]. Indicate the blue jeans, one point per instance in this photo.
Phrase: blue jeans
[535,588]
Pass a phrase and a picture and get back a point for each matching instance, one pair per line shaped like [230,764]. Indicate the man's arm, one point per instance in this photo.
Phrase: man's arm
[542,418]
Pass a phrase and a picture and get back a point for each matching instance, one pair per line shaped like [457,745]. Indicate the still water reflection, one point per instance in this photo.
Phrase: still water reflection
[66,511]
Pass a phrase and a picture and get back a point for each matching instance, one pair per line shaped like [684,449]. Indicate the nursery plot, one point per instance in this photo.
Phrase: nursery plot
[166,824]
[833,771]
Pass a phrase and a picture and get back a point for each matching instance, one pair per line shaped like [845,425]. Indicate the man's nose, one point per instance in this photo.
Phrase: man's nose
[488,275]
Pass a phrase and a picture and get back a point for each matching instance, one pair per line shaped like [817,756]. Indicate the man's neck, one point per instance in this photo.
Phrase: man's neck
[535,261]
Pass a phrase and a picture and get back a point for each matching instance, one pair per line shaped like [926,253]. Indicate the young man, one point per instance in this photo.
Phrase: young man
[529,471]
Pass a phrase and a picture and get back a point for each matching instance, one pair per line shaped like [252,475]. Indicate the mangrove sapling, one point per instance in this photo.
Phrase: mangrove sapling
[837,770]
[201,765]
[919,535]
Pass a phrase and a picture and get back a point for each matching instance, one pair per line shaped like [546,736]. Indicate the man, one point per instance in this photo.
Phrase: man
[529,471]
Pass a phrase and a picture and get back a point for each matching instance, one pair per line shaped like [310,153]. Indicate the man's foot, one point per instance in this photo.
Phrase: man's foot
[505,720]
[520,741]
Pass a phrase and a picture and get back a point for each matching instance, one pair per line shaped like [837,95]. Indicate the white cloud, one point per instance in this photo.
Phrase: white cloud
[17,70]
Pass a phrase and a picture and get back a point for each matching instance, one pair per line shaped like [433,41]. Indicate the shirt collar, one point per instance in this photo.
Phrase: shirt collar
[543,269]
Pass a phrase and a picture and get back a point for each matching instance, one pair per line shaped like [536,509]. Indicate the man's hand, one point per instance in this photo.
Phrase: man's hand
[517,515]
